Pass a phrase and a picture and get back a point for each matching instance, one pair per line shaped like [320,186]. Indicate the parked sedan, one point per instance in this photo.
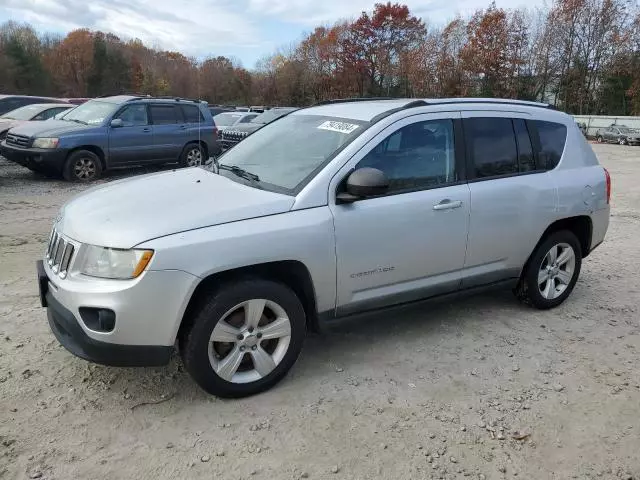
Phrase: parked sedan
[618,134]
[227,120]
[34,112]
[232,136]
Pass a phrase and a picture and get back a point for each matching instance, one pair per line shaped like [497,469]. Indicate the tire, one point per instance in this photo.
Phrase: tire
[622,141]
[193,155]
[82,166]
[545,295]
[222,315]
[599,139]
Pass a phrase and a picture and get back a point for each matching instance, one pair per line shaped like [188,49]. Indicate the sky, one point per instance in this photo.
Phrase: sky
[245,30]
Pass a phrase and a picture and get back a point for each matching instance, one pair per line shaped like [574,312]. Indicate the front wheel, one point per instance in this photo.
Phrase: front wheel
[82,166]
[599,139]
[622,141]
[244,338]
[552,271]
[192,156]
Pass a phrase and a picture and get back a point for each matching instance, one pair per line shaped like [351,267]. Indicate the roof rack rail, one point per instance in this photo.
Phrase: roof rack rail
[133,94]
[412,104]
[499,101]
[173,97]
[353,99]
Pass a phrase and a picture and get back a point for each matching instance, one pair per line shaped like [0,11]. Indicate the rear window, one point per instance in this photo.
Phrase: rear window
[192,114]
[552,139]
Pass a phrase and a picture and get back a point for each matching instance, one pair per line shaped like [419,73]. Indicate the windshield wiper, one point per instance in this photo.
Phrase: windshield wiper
[239,172]
[75,120]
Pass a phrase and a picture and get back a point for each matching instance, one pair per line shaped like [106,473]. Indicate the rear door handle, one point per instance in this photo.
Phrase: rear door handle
[447,204]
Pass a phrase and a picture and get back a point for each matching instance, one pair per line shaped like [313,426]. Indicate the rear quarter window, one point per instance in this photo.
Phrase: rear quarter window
[553,137]
[192,114]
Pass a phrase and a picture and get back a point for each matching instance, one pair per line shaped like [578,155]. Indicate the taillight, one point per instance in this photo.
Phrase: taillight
[608,177]
[215,132]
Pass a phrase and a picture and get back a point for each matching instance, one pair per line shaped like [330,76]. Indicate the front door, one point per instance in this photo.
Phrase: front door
[131,143]
[410,243]
[169,132]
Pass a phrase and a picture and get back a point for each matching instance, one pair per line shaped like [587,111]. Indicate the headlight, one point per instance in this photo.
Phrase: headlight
[45,142]
[113,263]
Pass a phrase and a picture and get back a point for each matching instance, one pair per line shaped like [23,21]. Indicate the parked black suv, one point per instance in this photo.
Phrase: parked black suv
[230,137]
[115,132]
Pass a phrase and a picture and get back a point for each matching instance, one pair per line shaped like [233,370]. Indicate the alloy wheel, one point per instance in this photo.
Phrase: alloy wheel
[249,341]
[194,157]
[556,271]
[84,169]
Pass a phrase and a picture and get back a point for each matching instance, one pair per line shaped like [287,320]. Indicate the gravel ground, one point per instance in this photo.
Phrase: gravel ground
[480,388]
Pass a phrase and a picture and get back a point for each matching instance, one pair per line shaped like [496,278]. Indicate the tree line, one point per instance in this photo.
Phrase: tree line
[582,56]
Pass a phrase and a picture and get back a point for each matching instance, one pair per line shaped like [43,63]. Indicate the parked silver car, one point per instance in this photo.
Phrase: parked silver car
[332,210]
[618,134]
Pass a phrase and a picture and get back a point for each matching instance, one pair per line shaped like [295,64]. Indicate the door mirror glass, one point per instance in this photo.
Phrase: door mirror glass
[117,123]
[363,183]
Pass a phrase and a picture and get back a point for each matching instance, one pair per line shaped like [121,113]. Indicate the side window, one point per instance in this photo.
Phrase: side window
[49,113]
[526,161]
[133,115]
[191,114]
[163,114]
[552,139]
[492,145]
[420,155]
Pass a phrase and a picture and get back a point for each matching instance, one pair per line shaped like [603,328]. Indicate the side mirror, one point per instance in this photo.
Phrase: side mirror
[363,183]
[117,123]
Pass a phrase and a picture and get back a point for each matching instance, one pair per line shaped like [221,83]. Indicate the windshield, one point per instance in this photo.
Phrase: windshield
[226,119]
[23,113]
[93,112]
[285,153]
[270,115]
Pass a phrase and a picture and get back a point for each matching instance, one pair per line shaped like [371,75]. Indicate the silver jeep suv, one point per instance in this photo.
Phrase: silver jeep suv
[333,210]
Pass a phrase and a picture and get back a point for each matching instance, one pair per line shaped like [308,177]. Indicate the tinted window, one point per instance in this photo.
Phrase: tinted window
[552,139]
[163,114]
[192,114]
[492,146]
[49,113]
[420,155]
[526,160]
[133,115]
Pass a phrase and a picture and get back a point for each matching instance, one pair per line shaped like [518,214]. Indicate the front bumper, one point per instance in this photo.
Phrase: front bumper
[148,312]
[35,158]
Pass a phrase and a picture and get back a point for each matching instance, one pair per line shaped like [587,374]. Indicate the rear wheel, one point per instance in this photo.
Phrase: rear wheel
[599,139]
[622,141]
[82,166]
[244,338]
[552,271]
[192,156]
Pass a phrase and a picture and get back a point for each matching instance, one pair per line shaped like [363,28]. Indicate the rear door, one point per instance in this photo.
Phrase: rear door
[513,198]
[133,141]
[169,131]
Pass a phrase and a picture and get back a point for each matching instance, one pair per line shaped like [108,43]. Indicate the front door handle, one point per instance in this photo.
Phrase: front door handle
[146,129]
[447,204]
[183,127]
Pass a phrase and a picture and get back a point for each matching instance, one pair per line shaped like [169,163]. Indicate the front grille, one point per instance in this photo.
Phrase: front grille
[59,254]
[17,140]
[229,138]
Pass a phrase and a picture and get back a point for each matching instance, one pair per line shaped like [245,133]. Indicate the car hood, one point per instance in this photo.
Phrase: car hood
[6,124]
[49,128]
[125,213]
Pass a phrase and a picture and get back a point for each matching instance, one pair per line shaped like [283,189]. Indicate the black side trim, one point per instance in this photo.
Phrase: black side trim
[326,319]
[71,336]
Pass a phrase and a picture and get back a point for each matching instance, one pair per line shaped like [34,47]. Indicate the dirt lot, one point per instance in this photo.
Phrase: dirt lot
[482,388]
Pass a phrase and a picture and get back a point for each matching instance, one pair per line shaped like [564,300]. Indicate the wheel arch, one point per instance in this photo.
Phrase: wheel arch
[93,149]
[202,143]
[581,226]
[291,273]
